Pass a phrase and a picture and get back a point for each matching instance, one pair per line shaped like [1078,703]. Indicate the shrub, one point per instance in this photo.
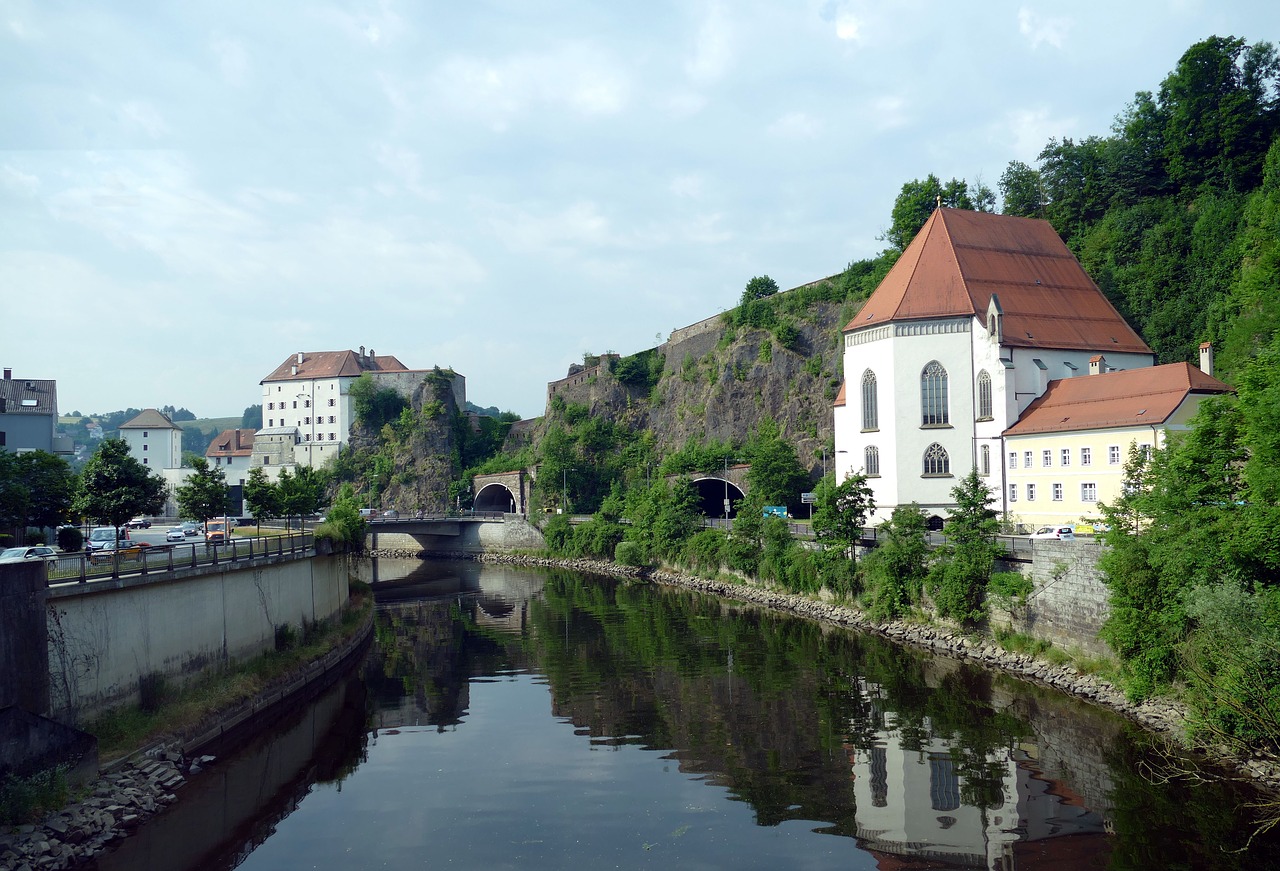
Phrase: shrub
[70,538]
[629,553]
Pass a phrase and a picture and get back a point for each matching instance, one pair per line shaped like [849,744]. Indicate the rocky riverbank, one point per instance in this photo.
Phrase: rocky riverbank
[1163,717]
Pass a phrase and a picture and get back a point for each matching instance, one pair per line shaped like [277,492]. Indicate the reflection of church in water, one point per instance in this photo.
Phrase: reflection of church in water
[912,810]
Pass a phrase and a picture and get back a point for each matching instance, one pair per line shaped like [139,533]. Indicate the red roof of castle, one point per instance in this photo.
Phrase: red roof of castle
[959,259]
[332,364]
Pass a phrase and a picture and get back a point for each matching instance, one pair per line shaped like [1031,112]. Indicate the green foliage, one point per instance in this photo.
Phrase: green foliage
[374,406]
[918,199]
[25,800]
[1007,590]
[115,487]
[204,494]
[343,525]
[840,511]
[36,488]
[759,287]
[300,493]
[896,568]
[70,538]
[775,474]
[261,496]
[962,569]
[252,417]
[641,371]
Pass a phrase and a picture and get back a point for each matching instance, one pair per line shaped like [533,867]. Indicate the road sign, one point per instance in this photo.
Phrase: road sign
[806,498]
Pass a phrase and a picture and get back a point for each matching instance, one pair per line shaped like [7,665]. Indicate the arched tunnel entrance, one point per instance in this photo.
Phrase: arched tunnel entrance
[495,497]
[712,493]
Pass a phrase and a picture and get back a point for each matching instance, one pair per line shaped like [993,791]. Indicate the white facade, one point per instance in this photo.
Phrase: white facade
[897,354]
[319,408]
[154,440]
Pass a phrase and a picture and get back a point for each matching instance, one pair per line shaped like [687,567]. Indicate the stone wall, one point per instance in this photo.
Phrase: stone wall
[514,533]
[1069,602]
[105,638]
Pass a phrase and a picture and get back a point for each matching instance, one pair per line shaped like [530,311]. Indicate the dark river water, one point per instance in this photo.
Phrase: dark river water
[523,718]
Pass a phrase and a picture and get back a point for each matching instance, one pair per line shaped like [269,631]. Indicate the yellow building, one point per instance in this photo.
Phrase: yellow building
[1067,452]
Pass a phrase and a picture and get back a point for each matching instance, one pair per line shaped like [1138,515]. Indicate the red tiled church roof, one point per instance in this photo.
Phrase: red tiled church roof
[959,259]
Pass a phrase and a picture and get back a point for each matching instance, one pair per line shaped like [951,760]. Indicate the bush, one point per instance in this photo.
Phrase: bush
[26,799]
[70,538]
[629,553]
[1007,590]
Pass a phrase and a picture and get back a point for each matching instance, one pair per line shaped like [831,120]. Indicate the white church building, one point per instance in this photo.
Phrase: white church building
[971,324]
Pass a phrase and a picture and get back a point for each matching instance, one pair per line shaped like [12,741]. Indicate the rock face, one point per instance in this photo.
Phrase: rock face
[718,383]
[421,461]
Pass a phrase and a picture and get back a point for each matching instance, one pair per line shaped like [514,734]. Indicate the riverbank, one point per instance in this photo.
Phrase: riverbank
[1160,716]
[142,781]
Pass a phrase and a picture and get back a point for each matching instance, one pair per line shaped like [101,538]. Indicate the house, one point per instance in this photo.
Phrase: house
[1067,451]
[29,416]
[309,392]
[232,451]
[153,439]
[975,320]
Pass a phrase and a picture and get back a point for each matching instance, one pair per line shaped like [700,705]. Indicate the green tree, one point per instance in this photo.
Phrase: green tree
[897,568]
[1021,191]
[262,497]
[374,406]
[759,287]
[775,474]
[918,199]
[964,564]
[252,417]
[204,494]
[300,493]
[36,489]
[115,487]
[841,511]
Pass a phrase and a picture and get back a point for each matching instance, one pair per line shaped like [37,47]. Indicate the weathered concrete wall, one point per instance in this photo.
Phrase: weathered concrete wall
[1069,602]
[513,533]
[24,679]
[103,638]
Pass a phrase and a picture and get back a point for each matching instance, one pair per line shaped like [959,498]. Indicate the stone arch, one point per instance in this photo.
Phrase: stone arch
[495,497]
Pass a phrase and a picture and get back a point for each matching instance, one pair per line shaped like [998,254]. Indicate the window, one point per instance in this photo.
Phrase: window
[984,460]
[1026,459]
[1031,492]
[271,406]
[933,396]
[1113,455]
[936,461]
[1086,456]
[307,437]
[870,407]
[295,403]
[871,460]
[144,447]
[306,403]
[144,433]
[1013,459]
[984,395]
[266,461]
[1057,492]
[1066,456]
[332,437]
[271,421]
[306,419]
[1013,492]
[1146,450]
[1046,458]
[332,402]
[331,418]
[1089,492]
[145,461]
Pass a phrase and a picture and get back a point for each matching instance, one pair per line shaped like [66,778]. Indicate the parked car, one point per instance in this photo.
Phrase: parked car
[30,552]
[176,533]
[1061,533]
[139,523]
[101,536]
[128,550]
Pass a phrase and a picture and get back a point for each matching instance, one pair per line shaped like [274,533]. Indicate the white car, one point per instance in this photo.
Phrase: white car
[1059,533]
[177,533]
[31,552]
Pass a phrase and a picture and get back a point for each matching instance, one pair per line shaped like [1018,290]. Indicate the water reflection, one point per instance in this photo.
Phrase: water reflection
[687,731]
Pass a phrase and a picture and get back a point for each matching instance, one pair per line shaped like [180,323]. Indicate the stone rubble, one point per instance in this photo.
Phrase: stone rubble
[1160,716]
[117,803]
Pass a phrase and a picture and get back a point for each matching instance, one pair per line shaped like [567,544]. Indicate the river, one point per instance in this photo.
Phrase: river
[514,717]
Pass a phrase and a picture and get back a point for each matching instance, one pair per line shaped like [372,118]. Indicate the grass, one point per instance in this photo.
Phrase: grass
[178,711]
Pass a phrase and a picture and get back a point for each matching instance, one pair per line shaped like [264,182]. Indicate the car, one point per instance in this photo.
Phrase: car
[101,536]
[368,513]
[176,533]
[30,552]
[128,550]
[390,514]
[139,523]
[189,528]
[1059,533]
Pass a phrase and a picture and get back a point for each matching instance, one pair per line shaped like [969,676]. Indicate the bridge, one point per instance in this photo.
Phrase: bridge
[453,532]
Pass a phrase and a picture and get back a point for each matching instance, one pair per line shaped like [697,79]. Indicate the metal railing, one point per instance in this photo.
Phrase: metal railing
[167,558]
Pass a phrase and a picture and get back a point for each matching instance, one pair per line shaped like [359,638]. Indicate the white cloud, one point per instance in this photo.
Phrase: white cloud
[687,186]
[848,26]
[23,183]
[1029,130]
[1037,30]
[712,50]
[796,125]
[374,23]
[576,76]
[137,113]
[233,60]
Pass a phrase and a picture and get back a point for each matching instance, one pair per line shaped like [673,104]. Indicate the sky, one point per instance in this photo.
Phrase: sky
[192,192]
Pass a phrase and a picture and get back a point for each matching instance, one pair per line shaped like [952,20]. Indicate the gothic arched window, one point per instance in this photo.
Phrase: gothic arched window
[870,407]
[871,460]
[936,461]
[984,395]
[933,395]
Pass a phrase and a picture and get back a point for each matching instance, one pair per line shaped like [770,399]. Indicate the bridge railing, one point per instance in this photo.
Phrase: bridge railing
[159,559]
[438,515]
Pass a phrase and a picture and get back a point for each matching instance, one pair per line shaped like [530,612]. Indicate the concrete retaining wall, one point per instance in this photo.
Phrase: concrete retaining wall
[1069,603]
[24,679]
[104,638]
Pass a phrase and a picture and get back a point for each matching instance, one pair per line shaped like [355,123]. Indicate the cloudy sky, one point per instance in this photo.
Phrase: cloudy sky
[190,192]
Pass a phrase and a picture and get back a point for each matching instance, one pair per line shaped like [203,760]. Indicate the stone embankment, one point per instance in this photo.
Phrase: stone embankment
[1159,716]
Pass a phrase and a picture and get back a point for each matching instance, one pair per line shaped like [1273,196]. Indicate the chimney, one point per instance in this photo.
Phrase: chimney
[8,374]
[1206,358]
[299,358]
[1097,364]
[294,370]
[371,353]
[362,352]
